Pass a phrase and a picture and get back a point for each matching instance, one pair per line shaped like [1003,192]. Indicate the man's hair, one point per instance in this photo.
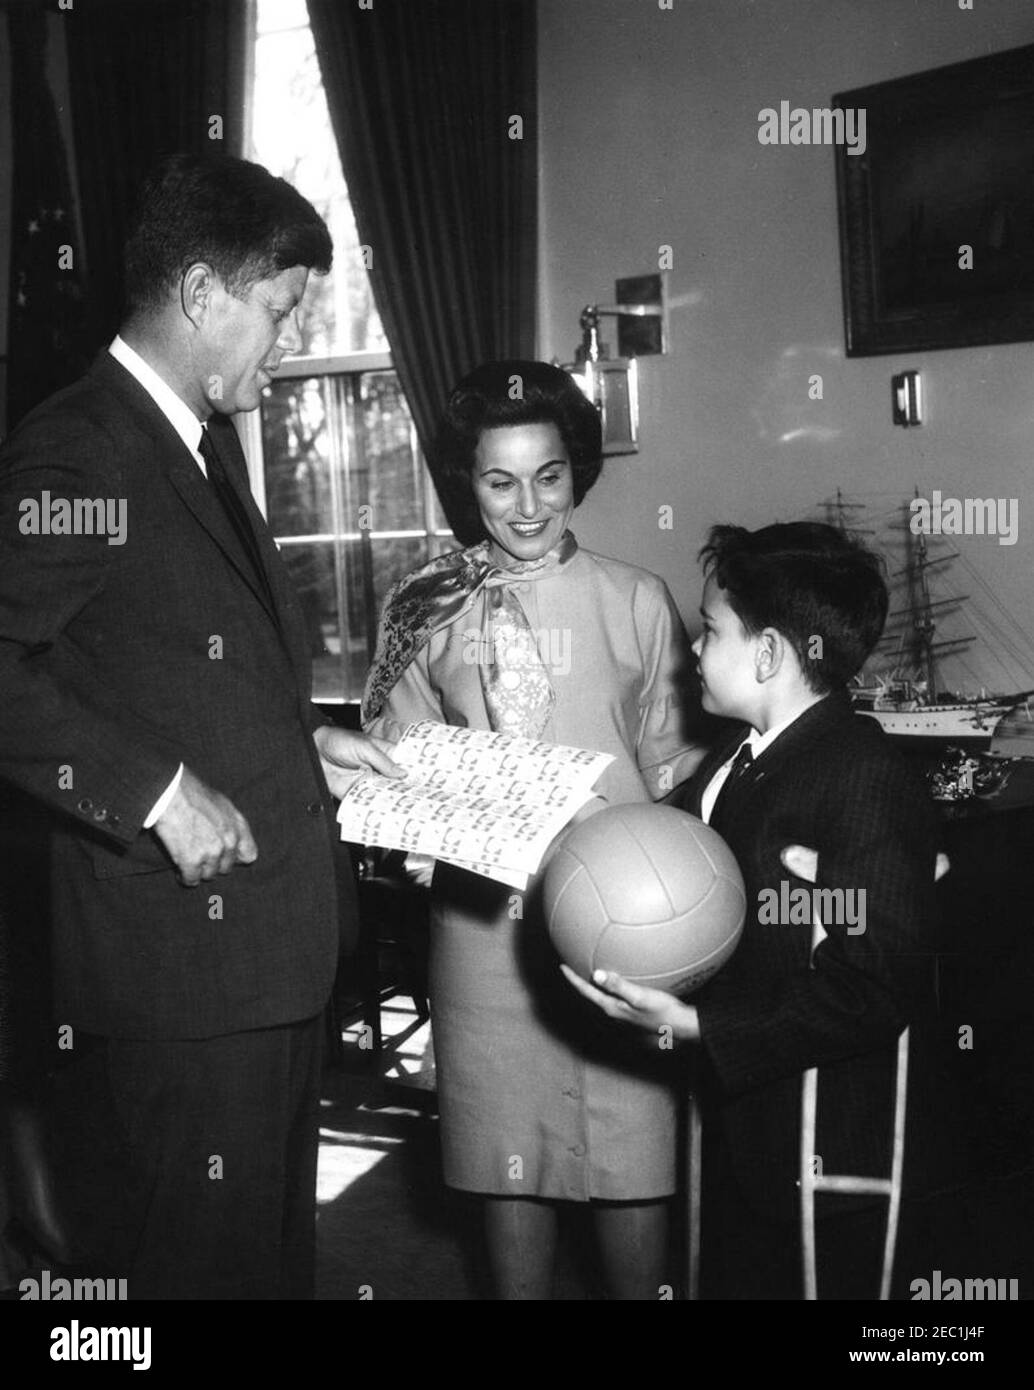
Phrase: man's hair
[807,580]
[235,216]
[498,394]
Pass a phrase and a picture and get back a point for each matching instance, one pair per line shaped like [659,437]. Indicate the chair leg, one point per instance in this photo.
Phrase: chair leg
[332,1032]
[414,950]
[810,1182]
[373,1040]
[897,1167]
[693,1183]
[809,1100]
[368,979]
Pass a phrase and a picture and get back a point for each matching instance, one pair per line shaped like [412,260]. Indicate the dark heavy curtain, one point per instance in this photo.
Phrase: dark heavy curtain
[146,76]
[47,329]
[422,94]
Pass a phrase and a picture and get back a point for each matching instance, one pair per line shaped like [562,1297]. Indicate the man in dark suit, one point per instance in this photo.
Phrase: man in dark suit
[790,613]
[156,696]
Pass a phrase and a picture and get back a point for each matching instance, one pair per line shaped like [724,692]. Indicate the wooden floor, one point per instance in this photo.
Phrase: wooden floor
[387,1226]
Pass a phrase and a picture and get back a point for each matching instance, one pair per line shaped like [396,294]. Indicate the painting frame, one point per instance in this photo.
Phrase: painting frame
[948,163]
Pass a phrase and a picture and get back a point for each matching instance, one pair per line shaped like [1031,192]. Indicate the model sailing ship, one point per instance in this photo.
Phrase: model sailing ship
[900,687]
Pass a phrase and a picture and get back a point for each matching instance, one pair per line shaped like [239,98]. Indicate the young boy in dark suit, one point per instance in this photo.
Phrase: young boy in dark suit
[790,613]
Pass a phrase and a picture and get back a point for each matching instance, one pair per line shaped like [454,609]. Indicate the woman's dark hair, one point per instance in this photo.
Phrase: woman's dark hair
[498,394]
[817,586]
[235,216]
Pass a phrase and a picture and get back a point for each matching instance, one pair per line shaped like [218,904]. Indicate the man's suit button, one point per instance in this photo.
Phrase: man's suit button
[315,808]
[86,804]
[115,820]
[100,815]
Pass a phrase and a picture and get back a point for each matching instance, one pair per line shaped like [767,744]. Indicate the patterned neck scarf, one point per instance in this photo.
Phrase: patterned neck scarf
[516,685]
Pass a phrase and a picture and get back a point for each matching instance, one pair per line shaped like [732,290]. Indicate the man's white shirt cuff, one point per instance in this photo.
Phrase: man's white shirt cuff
[162,804]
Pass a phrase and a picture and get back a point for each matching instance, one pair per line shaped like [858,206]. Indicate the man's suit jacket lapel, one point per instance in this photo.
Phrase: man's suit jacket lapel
[197,494]
[175,459]
[227,444]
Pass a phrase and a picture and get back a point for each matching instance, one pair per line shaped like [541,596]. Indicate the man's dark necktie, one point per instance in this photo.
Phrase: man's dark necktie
[232,507]
[741,765]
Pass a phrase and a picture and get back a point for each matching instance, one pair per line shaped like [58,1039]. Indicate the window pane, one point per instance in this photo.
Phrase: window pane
[343,586]
[392,559]
[275,15]
[341,462]
[333,446]
[399,488]
[394,473]
[292,136]
[296,451]
[311,567]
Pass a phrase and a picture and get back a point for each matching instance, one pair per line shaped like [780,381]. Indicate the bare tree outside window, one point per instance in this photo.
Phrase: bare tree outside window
[292,136]
[335,460]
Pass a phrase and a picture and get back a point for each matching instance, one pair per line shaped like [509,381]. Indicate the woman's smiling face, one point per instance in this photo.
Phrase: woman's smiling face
[524,489]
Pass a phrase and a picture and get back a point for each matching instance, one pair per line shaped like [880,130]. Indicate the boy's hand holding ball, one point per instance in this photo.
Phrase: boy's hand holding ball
[654,1009]
[641,1005]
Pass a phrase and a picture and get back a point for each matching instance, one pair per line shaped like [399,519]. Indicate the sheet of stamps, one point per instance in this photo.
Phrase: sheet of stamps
[490,803]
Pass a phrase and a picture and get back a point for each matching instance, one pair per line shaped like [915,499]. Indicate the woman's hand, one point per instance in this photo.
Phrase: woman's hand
[653,1010]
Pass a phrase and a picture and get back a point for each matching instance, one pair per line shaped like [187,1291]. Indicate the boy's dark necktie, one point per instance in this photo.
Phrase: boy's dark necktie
[741,765]
[233,508]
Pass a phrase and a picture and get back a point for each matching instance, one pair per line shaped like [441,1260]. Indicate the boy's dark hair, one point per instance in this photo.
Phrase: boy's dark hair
[806,580]
[484,400]
[235,216]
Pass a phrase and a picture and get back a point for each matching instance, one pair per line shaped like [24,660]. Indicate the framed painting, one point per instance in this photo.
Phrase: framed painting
[937,211]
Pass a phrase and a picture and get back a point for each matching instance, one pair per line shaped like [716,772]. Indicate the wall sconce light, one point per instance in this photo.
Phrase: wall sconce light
[612,383]
[907,403]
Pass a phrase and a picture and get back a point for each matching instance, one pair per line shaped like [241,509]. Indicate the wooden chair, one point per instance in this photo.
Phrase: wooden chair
[390,955]
[809,1181]
[392,927]
[890,1187]
[393,919]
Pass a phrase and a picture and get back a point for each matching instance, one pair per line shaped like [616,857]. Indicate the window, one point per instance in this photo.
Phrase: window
[335,462]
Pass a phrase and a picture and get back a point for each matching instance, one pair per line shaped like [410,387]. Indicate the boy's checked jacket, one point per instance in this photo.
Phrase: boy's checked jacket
[833,782]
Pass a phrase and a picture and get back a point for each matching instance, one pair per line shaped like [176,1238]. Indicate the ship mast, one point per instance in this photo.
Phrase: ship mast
[923,625]
[836,514]
[911,629]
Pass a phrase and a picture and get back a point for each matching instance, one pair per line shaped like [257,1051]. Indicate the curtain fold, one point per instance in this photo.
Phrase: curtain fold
[145,80]
[423,99]
[47,332]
